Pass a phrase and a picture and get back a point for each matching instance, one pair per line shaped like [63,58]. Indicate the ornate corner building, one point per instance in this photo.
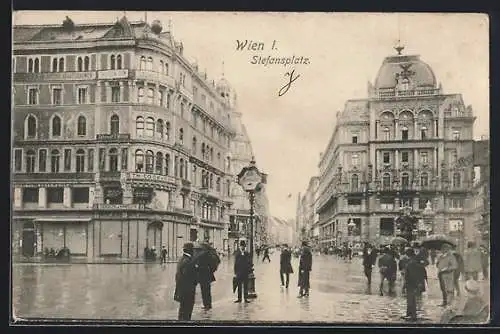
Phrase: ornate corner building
[119,142]
[398,148]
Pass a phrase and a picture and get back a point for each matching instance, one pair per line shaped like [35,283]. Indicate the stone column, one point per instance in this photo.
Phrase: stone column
[396,129]
[42,198]
[415,160]
[18,198]
[416,133]
[396,158]
[67,201]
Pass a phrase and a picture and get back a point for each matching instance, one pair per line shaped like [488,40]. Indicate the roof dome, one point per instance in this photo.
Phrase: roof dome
[410,67]
[223,84]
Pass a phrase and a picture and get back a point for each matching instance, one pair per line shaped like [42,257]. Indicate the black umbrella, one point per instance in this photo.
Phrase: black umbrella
[436,241]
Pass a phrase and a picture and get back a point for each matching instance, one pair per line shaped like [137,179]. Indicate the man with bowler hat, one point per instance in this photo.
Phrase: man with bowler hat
[305,266]
[242,269]
[185,283]
[285,265]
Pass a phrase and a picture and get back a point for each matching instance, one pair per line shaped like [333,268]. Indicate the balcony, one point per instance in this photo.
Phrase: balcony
[150,177]
[389,93]
[55,76]
[210,193]
[109,176]
[112,74]
[52,177]
[113,137]
[153,76]
[184,91]
[184,211]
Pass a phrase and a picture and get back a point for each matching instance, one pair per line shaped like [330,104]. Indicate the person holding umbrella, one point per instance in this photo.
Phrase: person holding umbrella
[446,265]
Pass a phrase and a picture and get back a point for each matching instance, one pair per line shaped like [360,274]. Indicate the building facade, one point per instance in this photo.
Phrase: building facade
[119,143]
[396,149]
[481,192]
[307,213]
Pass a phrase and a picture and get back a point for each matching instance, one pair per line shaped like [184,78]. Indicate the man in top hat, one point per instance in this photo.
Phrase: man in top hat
[305,266]
[242,269]
[414,276]
[185,282]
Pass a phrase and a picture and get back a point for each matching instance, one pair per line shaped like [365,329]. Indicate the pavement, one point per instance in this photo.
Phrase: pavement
[145,292]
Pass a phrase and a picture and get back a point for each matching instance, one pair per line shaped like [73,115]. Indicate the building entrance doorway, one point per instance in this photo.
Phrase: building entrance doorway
[154,238]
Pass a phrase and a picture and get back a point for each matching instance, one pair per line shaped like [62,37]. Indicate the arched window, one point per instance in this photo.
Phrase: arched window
[193,175]
[82,126]
[405,181]
[456,180]
[31,126]
[142,65]
[140,95]
[56,126]
[423,133]
[387,133]
[139,161]
[218,158]
[151,94]
[159,163]
[166,68]
[354,182]
[54,64]
[181,136]
[211,180]
[203,150]
[36,67]
[150,127]
[193,146]
[217,187]
[139,126]
[113,160]
[80,64]
[149,162]
[30,161]
[211,154]
[167,130]
[54,161]
[112,62]
[167,164]
[159,128]
[150,64]
[404,133]
[115,125]
[61,64]
[181,174]
[162,68]
[80,161]
[87,63]
[119,62]
[424,180]
[386,181]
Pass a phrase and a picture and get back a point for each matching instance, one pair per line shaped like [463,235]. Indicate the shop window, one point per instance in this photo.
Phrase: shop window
[80,195]
[30,195]
[55,195]
[113,195]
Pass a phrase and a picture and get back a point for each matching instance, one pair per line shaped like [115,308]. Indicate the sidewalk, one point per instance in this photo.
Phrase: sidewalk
[83,260]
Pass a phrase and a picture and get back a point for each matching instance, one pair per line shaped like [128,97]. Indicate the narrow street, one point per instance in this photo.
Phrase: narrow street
[145,291]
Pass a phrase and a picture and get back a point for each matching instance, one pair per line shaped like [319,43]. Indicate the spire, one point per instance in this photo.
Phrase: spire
[399,48]
[223,68]
[170,25]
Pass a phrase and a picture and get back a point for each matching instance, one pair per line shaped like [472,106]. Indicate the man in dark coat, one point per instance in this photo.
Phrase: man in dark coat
[415,283]
[285,265]
[388,270]
[242,269]
[185,283]
[266,255]
[369,260]
[305,266]
[207,262]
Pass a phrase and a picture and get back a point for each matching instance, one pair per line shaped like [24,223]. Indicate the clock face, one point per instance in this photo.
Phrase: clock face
[250,185]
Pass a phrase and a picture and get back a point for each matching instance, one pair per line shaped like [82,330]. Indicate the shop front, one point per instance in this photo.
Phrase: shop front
[57,233]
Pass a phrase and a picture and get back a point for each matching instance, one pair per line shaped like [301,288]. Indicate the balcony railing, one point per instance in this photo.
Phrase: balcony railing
[391,92]
[139,176]
[113,136]
[21,177]
[55,76]
[153,76]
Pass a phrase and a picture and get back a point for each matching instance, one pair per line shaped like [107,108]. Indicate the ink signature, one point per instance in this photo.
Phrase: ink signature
[286,87]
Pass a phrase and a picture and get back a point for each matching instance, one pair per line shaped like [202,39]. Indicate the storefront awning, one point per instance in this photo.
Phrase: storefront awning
[61,220]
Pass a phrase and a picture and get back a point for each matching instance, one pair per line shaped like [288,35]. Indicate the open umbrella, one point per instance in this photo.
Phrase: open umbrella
[436,241]
[397,241]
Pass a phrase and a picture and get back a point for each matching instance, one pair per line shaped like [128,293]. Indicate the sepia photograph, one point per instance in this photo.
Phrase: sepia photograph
[250,167]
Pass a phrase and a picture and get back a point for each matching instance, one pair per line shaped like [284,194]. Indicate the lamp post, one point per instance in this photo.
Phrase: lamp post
[350,228]
[250,179]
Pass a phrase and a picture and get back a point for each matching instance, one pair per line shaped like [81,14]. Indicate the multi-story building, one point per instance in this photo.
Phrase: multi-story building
[280,231]
[306,211]
[119,143]
[481,227]
[397,148]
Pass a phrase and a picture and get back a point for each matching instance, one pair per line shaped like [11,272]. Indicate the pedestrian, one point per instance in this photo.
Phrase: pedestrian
[285,265]
[349,252]
[266,255]
[163,255]
[388,270]
[474,311]
[472,261]
[422,257]
[207,263]
[305,266]
[484,262]
[414,281]
[459,272]
[369,260]
[242,269]
[185,283]
[446,265]
[433,256]
[403,261]
[257,250]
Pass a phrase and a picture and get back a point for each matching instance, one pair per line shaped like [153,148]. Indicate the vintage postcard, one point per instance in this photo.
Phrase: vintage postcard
[250,167]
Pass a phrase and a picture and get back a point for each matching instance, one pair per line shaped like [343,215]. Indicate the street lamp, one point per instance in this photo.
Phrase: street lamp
[350,227]
[250,179]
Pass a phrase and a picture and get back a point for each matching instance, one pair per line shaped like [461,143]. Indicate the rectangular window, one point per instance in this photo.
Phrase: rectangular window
[55,195]
[18,160]
[57,96]
[453,156]
[80,195]
[160,98]
[387,157]
[404,156]
[90,166]
[150,95]
[386,226]
[456,203]
[456,134]
[354,139]
[424,157]
[115,94]
[82,95]
[33,96]
[30,195]
[67,160]
[42,160]
[124,159]
[387,203]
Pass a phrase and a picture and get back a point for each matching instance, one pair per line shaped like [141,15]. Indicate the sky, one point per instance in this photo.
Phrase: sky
[345,51]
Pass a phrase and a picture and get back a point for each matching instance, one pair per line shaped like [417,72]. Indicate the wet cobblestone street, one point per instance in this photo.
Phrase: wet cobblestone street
[145,291]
